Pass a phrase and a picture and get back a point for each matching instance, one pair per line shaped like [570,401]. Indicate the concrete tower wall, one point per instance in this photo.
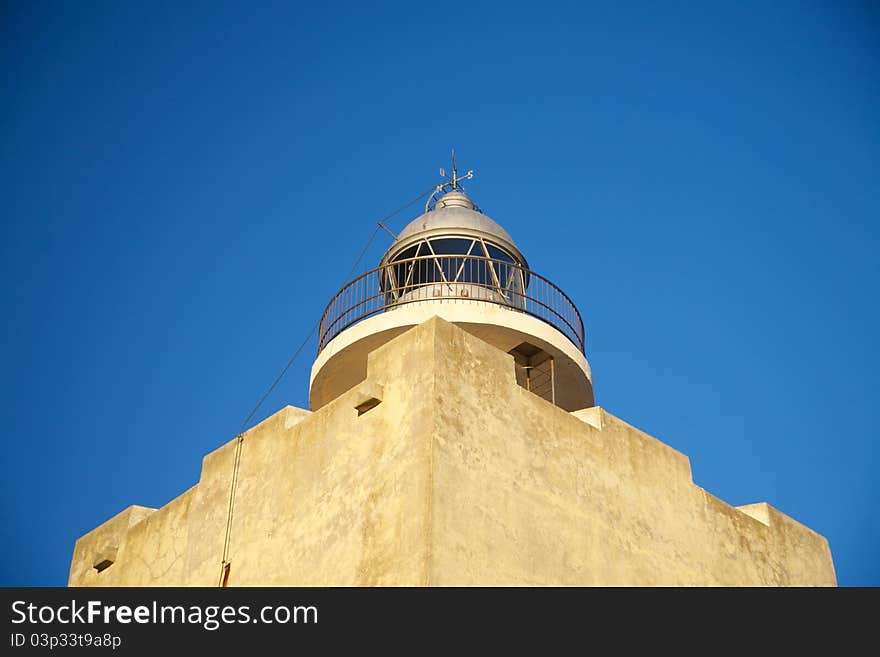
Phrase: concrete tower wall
[457,477]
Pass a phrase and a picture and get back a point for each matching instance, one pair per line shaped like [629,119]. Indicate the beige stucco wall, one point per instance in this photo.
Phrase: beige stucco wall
[342,362]
[458,477]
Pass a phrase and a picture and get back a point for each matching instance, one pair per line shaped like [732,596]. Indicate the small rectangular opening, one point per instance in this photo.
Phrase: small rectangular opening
[103,565]
[368,405]
[535,371]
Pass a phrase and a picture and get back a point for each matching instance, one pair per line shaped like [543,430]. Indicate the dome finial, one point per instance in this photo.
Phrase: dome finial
[453,181]
[469,174]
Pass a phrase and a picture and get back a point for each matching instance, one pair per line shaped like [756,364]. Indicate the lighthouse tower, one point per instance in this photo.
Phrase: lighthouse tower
[452,440]
[454,262]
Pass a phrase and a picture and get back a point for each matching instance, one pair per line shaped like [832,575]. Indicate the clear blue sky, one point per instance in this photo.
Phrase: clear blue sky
[185,186]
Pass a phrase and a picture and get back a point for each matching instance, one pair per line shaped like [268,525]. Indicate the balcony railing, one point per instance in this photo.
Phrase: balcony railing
[451,279]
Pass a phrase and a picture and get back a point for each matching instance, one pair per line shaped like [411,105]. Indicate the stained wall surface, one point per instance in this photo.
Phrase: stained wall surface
[458,476]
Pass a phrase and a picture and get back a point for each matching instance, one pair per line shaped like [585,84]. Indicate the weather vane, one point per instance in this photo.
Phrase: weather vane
[451,181]
[454,178]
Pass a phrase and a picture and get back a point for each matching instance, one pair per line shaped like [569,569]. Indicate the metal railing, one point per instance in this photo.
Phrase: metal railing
[450,279]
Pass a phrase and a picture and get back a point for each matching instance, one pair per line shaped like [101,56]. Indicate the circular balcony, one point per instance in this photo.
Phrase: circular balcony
[451,279]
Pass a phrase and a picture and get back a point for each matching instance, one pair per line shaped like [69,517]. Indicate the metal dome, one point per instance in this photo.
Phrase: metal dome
[454,213]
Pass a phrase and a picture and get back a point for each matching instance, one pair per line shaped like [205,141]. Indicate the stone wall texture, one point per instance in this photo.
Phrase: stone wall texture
[458,476]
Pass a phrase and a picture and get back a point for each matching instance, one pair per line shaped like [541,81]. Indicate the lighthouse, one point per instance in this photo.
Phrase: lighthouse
[454,262]
[452,439]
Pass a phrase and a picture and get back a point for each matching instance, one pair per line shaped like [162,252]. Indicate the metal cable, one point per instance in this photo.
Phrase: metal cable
[224,565]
